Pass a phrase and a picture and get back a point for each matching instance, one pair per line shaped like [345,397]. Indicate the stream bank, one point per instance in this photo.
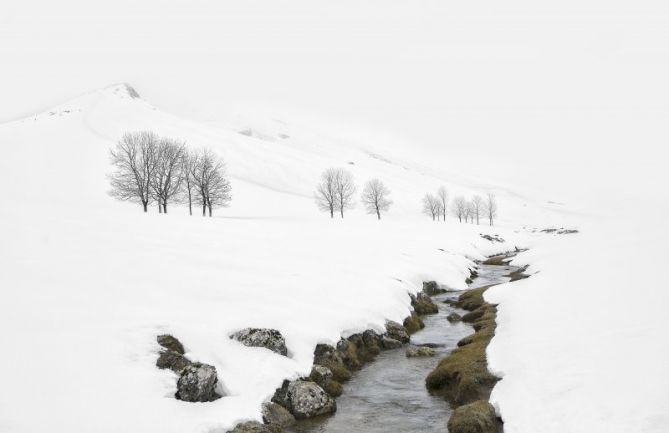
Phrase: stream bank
[389,394]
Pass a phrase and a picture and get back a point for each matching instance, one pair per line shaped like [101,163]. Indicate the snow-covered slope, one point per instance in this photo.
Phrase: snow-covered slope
[88,282]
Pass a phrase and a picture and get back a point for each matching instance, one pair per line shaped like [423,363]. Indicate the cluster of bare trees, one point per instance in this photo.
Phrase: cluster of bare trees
[336,193]
[435,205]
[151,169]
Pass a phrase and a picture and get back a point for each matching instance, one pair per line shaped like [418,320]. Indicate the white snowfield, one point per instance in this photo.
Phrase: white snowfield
[88,283]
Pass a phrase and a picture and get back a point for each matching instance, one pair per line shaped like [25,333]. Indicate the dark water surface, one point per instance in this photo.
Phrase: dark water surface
[389,394]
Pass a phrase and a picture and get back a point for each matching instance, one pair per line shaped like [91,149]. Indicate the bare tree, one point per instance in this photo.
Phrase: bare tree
[134,159]
[189,161]
[490,207]
[167,176]
[431,206]
[326,192]
[460,207]
[375,197]
[210,181]
[477,207]
[442,195]
[345,187]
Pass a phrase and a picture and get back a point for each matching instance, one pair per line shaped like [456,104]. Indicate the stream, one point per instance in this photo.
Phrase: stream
[389,394]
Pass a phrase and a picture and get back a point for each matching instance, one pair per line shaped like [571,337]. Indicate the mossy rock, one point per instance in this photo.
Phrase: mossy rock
[502,260]
[472,299]
[476,417]
[333,388]
[422,304]
[413,323]
[466,340]
[171,343]
[518,274]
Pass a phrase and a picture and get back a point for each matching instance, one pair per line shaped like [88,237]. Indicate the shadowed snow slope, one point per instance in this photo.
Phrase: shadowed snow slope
[88,283]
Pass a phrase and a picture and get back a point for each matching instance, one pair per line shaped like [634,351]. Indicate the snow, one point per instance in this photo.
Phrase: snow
[88,283]
[581,345]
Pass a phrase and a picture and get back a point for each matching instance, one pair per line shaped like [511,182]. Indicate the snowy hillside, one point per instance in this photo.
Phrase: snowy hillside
[88,283]
[92,281]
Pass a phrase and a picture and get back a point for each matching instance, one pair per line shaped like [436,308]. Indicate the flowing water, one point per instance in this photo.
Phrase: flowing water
[389,394]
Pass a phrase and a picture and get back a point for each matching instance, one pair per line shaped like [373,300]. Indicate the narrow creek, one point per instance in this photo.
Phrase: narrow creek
[389,394]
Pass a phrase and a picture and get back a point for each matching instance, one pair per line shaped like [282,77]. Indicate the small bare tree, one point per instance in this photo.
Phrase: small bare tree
[134,159]
[477,207]
[189,161]
[210,181]
[326,192]
[375,197]
[442,195]
[431,206]
[167,176]
[345,187]
[490,207]
[460,207]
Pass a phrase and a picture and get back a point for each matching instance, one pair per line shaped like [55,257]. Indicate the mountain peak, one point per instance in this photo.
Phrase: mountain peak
[124,89]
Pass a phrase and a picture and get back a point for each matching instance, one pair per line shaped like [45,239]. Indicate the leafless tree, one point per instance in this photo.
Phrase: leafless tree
[431,206]
[336,191]
[134,159]
[460,207]
[345,187]
[490,207]
[477,207]
[211,183]
[189,161]
[375,197]
[442,195]
[167,176]
[326,192]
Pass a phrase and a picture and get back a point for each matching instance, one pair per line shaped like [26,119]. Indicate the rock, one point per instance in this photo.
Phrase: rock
[197,383]
[328,356]
[304,399]
[321,375]
[371,341]
[413,323]
[171,343]
[250,427]
[276,415]
[419,351]
[473,316]
[454,317]
[431,288]
[431,345]
[262,337]
[172,360]
[397,332]
[476,417]
[324,377]
[390,343]
[466,340]
[422,304]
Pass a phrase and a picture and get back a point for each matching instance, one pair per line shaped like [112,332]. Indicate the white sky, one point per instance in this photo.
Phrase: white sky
[575,89]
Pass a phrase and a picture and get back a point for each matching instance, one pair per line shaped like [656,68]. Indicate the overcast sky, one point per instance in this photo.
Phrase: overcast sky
[532,87]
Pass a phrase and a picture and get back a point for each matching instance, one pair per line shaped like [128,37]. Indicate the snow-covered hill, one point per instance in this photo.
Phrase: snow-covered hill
[88,282]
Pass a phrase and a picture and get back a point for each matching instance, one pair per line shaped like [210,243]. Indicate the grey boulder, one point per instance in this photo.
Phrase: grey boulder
[197,383]
[262,337]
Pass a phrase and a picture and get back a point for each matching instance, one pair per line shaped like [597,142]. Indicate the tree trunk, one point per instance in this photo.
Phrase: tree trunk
[146,205]
[209,210]
[190,205]
[165,207]
[204,209]
[378,214]
[160,207]
[342,212]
